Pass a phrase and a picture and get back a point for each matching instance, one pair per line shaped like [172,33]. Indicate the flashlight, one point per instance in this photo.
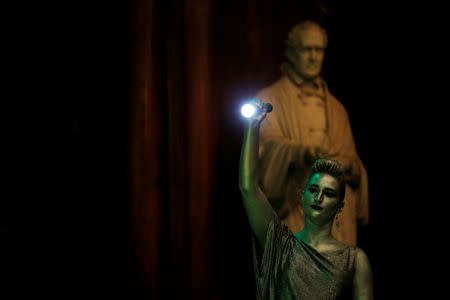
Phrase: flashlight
[248,110]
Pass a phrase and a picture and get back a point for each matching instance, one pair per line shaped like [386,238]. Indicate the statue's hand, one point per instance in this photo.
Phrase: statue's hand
[311,153]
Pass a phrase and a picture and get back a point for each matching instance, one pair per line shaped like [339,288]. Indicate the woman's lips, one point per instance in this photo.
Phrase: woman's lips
[316,207]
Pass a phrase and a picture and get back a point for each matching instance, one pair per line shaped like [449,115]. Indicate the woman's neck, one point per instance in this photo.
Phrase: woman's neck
[314,234]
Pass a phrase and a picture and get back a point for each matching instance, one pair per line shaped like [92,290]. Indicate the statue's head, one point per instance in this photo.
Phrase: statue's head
[305,49]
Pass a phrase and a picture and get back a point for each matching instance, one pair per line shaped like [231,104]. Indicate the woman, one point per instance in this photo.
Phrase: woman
[309,264]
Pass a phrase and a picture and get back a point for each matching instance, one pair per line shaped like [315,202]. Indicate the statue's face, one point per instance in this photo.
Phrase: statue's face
[307,52]
[320,199]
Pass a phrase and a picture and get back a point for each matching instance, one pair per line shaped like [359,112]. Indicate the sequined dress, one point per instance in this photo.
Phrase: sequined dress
[288,268]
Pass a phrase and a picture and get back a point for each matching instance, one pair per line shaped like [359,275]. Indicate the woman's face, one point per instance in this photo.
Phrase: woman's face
[320,199]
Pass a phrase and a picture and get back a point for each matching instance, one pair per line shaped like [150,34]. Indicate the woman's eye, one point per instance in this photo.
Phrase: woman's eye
[330,194]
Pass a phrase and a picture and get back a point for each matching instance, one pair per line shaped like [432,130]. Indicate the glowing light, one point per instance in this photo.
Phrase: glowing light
[248,110]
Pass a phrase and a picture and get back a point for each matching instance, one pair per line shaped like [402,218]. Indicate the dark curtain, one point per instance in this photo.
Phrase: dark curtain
[173,146]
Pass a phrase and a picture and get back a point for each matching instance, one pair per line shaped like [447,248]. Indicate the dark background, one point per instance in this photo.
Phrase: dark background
[66,221]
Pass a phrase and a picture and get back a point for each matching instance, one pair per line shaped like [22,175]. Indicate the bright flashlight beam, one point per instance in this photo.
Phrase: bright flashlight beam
[248,110]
